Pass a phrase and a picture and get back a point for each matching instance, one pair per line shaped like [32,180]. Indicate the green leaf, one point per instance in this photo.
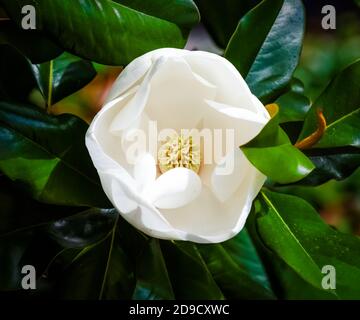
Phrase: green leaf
[243,252]
[187,269]
[55,79]
[11,251]
[33,44]
[63,76]
[100,271]
[13,64]
[291,286]
[183,13]
[20,249]
[286,244]
[292,229]
[83,229]
[157,269]
[213,13]
[272,150]
[294,164]
[287,284]
[152,279]
[266,46]
[48,157]
[19,212]
[335,163]
[293,104]
[341,106]
[336,155]
[111,32]
[236,268]
[155,266]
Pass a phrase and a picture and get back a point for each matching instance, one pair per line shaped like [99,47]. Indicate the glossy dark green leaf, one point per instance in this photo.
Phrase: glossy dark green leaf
[285,244]
[292,229]
[289,285]
[11,251]
[147,266]
[100,271]
[20,249]
[336,155]
[187,269]
[293,287]
[242,250]
[83,229]
[181,12]
[213,13]
[166,271]
[294,164]
[237,269]
[266,46]
[55,79]
[63,76]
[293,104]
[152,278]
[149,263]
[272,150]
[292,129]
[286,283]
[13,64]
[20,212]
[336,163]
[47,156]
[111,32]
[341,106]
[33,44]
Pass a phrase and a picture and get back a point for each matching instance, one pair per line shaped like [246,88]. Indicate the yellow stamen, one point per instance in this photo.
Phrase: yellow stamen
[179,151]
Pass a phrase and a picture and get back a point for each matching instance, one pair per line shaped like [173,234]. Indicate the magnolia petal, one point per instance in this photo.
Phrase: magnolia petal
[107,146]
[145,171]
[175,188]
[242,125]
[130,76]
[136,70]
[149,220]
[138,212]
[120,193]
[260,107]
[228,176]
[231,87]
[241,202]
[102,146]
[205,214]
[208,220]
[176,99]
[132,111]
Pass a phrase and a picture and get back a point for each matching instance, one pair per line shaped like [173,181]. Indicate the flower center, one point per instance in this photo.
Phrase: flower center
[179,151]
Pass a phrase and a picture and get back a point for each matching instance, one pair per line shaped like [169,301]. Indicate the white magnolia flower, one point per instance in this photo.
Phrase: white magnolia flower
[172,193]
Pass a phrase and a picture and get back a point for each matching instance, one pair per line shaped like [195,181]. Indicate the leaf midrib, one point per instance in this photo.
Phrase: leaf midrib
[112,232]
[268,201]
[343,118]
